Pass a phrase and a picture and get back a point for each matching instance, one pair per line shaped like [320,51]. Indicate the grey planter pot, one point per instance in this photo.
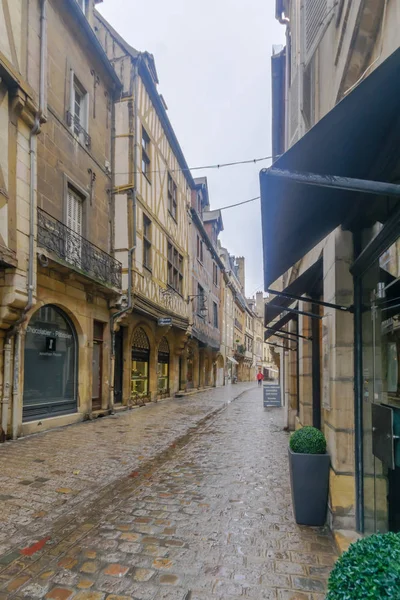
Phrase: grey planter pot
[309,480]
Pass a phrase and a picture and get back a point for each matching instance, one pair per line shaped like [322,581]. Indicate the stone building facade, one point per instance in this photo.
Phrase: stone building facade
[205,363]
[68,272]
[338,56]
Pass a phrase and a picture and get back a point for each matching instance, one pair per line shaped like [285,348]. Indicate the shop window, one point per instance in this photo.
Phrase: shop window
[140,364]
[50,365]
[163,367]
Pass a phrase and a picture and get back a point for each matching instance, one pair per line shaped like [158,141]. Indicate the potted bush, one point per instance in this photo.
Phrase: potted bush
[369,569]
[309,475]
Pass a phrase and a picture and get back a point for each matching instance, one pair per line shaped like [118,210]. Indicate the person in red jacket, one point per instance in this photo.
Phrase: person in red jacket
[260,378]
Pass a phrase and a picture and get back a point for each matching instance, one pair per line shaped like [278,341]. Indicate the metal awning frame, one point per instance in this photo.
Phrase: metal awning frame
[349,184]
[305,313]
[310,300]
[284,347]
[288,333]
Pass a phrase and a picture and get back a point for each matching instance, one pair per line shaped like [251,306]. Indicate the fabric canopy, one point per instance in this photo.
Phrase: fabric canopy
[358,138]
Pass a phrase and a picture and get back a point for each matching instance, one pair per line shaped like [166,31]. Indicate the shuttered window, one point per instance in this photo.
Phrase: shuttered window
[74,211]
[316,16]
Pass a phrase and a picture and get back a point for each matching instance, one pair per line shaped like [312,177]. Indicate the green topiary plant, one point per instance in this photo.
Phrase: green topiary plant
[308,440]
[370,569]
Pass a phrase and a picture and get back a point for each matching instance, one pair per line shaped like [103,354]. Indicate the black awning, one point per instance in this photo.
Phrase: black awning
[276,327]
[307,282]
[358,138]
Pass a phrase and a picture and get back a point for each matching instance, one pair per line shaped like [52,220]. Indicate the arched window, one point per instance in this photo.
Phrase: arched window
[140,364]
[163,367]
[50,365]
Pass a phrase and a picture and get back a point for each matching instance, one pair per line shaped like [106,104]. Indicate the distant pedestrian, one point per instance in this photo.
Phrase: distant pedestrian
[260,378]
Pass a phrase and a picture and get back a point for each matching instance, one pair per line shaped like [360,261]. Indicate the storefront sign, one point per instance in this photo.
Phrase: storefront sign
[165,321]
[48,332]
[272,395]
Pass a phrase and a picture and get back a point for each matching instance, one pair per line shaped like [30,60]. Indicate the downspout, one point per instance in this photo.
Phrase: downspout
[131,250]
[14,331]
[283,20]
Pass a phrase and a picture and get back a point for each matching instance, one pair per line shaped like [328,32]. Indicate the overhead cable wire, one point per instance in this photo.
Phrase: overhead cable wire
[214,166]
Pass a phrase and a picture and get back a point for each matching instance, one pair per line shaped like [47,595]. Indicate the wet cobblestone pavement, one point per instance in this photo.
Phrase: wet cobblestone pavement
[174,507]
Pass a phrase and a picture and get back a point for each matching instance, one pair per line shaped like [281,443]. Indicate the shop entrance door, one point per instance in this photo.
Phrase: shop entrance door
[381,407]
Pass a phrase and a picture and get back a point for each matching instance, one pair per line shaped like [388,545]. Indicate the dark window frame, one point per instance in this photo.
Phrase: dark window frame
[146,154]
[175,269]
[147,243]
[172,198]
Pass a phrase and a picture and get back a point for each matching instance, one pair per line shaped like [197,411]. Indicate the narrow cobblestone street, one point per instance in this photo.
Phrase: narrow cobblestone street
[176,501]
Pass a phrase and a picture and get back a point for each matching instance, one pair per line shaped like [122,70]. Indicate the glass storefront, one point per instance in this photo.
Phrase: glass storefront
[381,393]
[163,367]
[140,365]
[50,365]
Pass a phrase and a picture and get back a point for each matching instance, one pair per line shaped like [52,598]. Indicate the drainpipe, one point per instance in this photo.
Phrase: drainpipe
[131,250]
[14,331]
[283,20]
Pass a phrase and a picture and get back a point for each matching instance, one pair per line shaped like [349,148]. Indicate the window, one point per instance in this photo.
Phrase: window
[200,249]
[215,274]
[82,5]
[172,197]
[51,374]
[201,301]
[79,110]
[146,242]
[145,154]
[73,239]
[200,253]
[175,269]
[215,314]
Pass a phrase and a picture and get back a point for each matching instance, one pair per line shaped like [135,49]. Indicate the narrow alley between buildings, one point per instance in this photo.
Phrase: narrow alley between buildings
[138,507]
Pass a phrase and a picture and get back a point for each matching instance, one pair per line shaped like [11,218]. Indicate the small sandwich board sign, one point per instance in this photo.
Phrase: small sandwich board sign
[272,395]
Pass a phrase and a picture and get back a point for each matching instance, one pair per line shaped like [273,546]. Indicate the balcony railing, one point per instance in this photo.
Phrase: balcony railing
[78,129]
[77,251]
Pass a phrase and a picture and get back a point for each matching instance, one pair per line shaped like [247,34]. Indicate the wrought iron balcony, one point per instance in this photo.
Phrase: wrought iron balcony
[78,129]
[76,251]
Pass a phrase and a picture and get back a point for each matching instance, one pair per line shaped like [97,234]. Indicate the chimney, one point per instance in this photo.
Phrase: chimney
[240,271]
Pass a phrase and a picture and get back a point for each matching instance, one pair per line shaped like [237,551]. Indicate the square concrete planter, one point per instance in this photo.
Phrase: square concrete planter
[309,480]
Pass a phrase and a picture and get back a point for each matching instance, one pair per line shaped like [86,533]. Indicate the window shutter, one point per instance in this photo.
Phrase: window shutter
[74,212]
[315,19]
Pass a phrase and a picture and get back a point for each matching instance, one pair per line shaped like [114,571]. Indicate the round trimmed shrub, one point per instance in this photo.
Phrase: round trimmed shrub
[308,440]
[370,569]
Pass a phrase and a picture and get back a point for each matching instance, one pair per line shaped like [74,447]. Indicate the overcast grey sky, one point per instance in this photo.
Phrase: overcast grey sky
[213,62]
